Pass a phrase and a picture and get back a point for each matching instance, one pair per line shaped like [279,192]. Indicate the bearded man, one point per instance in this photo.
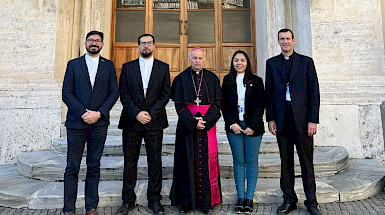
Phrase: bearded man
[90,90]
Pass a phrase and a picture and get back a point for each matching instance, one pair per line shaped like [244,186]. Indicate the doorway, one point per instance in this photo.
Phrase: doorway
[219,26]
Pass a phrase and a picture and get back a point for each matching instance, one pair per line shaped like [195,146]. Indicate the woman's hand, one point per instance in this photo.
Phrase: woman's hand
[237,129]
[248,131]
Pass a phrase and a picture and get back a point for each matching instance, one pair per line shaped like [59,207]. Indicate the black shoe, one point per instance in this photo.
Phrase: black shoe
[313,210]
[125,208]
[239,206]
[286,208]
[156,207]
[248,206]
[207,211]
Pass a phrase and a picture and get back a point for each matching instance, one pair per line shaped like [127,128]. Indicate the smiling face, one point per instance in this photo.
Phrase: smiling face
[240,63]
[286,42]
[94,44]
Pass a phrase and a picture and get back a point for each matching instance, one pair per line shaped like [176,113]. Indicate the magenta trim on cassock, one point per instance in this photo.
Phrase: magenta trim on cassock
[212,155]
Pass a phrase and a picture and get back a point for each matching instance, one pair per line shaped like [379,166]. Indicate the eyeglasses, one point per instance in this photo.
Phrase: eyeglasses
[90,41]
[150,43]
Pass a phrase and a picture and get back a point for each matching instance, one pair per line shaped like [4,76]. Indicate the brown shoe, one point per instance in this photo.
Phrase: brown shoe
[92,212]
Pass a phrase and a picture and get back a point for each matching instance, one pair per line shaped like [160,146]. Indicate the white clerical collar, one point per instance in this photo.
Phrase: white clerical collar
[146,60]
[94,59]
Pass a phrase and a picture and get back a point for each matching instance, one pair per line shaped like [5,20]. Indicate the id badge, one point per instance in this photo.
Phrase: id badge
[288,93]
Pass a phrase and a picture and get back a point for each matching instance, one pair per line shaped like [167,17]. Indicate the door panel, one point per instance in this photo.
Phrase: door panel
[221,27]
[129,31]
[170,56]
[228,54]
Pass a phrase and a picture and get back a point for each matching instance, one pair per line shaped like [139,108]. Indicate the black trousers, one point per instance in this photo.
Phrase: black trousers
[76,139]
[132,141]
[287,138]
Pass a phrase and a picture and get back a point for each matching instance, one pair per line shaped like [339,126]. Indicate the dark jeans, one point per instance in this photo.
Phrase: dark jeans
[305,150]
[76,139]
[132,141]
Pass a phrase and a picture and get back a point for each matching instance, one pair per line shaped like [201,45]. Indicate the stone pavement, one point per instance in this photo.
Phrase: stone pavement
[373,205]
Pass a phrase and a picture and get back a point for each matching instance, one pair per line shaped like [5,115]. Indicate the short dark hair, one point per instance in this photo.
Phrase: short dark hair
[146,35]
[95,32]
[286,30]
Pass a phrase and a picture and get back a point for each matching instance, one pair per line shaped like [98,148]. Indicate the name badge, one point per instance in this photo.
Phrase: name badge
[288,93]
[240,109]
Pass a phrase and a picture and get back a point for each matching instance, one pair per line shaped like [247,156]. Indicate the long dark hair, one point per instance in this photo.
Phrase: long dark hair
[233,73]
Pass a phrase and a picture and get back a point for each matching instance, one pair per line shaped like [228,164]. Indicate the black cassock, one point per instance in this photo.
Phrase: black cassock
[196,178]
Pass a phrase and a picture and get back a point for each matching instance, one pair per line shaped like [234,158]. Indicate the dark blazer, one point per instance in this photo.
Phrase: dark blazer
[133,100]
[78,95]
[304,91]
[254,104]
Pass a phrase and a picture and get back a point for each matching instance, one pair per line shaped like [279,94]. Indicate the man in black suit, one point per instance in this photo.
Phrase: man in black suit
[144,92]
[293,113]
[90,89]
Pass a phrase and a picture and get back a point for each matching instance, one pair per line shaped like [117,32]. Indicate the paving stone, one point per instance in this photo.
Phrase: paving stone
[47,165]
[224,209]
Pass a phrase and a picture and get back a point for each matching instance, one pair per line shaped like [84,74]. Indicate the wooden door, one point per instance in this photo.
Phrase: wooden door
[219,26]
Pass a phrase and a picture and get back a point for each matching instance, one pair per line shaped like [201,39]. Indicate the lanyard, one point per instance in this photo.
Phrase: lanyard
[287,76]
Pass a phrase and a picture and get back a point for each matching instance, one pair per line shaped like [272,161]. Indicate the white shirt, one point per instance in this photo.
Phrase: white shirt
[92,66]
[145,70]
[241,91]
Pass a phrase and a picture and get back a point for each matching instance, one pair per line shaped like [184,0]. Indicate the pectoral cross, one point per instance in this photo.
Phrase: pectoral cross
[197,101]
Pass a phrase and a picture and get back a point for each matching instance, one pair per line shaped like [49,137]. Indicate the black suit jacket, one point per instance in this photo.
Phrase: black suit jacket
[133,100]
[304,91]
[78,95]
[254,104]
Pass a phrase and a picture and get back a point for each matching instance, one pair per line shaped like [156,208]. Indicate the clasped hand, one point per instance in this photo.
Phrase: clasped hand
[237,130]
[201,123]
[143,117]
[90,117]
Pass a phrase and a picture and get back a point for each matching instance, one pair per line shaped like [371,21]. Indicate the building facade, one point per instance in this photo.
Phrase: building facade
[345,39]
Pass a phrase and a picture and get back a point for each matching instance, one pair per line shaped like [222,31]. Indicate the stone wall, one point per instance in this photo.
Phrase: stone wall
[29,94]
[348,50]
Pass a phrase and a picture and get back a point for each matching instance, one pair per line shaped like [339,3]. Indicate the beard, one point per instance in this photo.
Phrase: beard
[93,51]
[146,55]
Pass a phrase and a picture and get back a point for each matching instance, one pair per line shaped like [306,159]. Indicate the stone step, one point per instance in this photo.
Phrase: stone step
[363,179]
[113,145]
[49,166]
[113,129]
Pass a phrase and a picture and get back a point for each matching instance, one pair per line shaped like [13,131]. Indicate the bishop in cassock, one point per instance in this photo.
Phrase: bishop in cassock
[196,180]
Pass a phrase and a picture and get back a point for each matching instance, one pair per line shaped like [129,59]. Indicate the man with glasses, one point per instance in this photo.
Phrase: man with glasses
[90,89]
[144,92]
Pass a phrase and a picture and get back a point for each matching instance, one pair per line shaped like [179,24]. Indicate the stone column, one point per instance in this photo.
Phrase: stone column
[302,27]
[92,18]
[270,17]
[29,93]
[261,36]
